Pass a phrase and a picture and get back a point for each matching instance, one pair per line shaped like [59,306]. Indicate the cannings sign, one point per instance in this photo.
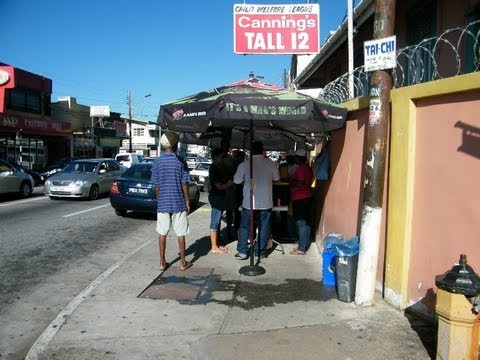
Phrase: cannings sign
[276,29]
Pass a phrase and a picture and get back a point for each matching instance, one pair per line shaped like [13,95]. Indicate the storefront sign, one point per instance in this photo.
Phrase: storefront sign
[276,29]
[34,126]
[84,142]
[100,111]
[7,81]
[380,54]
[104,132]
[4,77]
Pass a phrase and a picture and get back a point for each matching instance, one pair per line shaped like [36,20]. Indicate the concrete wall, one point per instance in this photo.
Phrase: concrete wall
[431,210]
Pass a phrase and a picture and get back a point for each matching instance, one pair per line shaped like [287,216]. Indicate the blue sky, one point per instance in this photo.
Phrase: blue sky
[97,50]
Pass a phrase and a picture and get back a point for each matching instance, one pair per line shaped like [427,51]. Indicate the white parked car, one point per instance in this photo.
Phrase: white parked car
[128,159]
[200,173]
[86,178]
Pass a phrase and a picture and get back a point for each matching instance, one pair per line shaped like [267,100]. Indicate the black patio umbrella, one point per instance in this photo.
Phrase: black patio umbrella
[273,140]
[251,105]
[238,104]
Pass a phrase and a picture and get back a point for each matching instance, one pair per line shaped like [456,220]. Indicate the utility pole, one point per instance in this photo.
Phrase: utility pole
[377,140]
[129,103]
[351,93]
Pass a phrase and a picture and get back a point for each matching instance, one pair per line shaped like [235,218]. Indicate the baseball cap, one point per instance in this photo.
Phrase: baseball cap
[301,152]
[169,139]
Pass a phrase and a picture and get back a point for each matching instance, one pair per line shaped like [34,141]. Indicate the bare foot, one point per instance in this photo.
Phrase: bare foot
[219,250]
[164,266]
[186,266]
[297,252]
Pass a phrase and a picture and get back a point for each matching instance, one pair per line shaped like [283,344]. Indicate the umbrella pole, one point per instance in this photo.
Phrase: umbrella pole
[252,269]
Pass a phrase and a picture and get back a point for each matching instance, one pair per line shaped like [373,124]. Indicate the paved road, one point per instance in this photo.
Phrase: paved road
[51,250]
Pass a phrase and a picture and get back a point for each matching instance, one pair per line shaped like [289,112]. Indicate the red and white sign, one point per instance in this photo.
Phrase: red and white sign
[276,29]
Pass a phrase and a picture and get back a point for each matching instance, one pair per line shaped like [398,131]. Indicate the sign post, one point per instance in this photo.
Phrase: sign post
[379,55]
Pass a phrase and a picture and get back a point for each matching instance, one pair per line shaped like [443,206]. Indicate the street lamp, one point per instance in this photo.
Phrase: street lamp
[129,103]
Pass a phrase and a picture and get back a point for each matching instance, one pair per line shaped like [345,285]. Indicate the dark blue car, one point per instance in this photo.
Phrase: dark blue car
[133,191]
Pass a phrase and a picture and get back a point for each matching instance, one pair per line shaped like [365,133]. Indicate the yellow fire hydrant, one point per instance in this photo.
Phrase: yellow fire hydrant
[458,306]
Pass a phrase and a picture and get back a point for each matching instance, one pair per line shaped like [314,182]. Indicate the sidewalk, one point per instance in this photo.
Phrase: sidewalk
[283,314]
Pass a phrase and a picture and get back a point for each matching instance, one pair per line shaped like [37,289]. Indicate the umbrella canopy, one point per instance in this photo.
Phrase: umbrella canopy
[273,140]
[237,105]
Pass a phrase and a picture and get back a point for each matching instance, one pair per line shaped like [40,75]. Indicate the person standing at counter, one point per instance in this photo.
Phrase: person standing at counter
[264,173]
[301,196]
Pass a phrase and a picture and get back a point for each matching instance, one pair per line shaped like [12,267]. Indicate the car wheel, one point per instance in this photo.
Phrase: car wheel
[120,212]
[25,189]
[53,198]
[94,192]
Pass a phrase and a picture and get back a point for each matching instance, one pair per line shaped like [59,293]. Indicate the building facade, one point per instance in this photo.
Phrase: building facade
[93,137]
[429,202]
[29,133]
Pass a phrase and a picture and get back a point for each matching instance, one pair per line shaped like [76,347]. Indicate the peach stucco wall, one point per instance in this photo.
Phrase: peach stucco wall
[339,200]
[433,206]
[446,198]
[341,195]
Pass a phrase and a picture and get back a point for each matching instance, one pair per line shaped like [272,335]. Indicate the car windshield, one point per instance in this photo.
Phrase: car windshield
[139,171]
[123,158]
[55,164]
[203,166]
[81,167]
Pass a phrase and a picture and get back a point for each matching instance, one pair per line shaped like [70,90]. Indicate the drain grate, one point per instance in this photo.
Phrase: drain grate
[175,284]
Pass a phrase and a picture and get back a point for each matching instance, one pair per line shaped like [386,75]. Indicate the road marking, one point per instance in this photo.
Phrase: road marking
[49,333]
[24,201]
[84,211]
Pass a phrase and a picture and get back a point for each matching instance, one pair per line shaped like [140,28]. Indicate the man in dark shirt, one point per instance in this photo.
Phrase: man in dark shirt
[220,182]
[171,178]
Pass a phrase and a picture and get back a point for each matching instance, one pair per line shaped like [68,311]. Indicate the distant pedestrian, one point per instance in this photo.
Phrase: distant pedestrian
[264,172]
[238,158]
[171,178]
[220,182]
[301,196]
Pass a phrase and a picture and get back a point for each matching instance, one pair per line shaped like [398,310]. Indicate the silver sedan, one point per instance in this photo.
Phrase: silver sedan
[15,181]
[84,179]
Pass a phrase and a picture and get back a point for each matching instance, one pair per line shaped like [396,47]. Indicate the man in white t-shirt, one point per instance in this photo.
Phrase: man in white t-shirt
[264,173]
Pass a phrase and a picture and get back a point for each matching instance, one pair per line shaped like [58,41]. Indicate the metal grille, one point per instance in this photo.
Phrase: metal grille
[436,52]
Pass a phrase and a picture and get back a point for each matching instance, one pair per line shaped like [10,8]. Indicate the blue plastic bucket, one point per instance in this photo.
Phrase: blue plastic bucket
[328,267]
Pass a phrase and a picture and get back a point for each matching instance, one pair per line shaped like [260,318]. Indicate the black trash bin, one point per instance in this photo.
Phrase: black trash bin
[346,261]
[346,276]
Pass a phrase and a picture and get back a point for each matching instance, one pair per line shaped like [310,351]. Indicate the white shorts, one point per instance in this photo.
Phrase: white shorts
[178,220]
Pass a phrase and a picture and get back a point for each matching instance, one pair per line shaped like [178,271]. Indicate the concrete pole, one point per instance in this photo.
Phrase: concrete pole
[129,103]
[377,140]
[351,93]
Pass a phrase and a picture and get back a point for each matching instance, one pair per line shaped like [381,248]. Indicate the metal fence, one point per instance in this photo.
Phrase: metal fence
[454,52]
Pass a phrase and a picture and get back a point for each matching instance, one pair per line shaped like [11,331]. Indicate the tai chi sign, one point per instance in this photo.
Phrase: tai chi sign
[276,29]
[380,54]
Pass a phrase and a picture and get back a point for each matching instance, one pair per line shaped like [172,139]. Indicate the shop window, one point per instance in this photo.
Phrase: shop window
[139,132]
[23,100]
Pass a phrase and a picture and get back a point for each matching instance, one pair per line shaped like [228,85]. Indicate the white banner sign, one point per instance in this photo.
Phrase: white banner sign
[380,54]
[100,111]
